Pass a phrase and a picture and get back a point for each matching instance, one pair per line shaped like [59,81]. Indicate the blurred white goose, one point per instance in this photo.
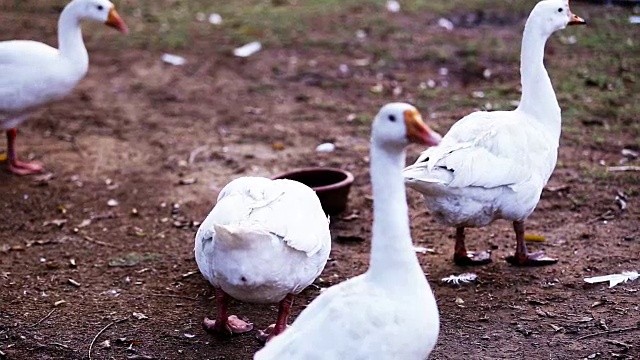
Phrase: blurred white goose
[493,165]
[33,74]
[263,242]
[389,312]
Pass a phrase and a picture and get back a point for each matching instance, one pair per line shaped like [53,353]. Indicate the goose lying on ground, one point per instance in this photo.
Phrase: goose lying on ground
[389,312]
[33,74]
[493,165]
[263,242]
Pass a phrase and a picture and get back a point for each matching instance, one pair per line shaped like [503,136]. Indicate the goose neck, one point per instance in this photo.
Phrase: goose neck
[392,254]
[70,42]
[538,97]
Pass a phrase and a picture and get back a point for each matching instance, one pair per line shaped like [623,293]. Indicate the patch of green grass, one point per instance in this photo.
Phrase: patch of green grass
[174,21]
[364,118]
[451,6]
[172,24]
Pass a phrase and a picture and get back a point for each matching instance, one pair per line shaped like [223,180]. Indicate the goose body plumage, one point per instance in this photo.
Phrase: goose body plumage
[33,74]
[389,312]
[264,239]
[264,242]
[23,90]
[487,167]
[494,165]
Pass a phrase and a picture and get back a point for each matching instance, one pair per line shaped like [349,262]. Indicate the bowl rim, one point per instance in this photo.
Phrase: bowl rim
[347,181]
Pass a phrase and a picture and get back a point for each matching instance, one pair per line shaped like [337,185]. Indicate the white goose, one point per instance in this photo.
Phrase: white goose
[263,242]
[493,165]
[389,312]
[33,74]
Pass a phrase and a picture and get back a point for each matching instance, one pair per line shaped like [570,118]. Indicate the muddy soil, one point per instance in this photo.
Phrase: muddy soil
[100,252]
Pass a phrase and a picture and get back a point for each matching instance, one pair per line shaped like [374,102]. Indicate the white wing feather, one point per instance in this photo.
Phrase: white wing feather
[475,153]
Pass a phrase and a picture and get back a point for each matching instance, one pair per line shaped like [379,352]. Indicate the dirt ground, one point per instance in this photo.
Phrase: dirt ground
[101,249]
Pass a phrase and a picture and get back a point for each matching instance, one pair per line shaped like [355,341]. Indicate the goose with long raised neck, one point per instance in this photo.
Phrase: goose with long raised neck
[33,74]
[494,165]
[389,312]
[263,242]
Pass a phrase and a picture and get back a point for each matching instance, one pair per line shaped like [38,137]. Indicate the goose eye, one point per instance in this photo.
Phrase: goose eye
[100,7]
[559,9]
[392,118]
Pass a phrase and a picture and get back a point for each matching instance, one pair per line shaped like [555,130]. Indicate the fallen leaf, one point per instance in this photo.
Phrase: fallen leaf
[38,242]
[84,223]
[556,328]
[534,238]
[557,188]
[184,276]
[541,313]
[537,302]
[376,89]
[187,181]
[139,316]
[42,180]
[583,319]
[56,222]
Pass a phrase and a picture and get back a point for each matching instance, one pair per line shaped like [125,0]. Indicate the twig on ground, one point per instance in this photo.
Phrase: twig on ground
[609,332]
[62,346]
[623,168]
[619,343]
[91,240]
[140,357]
[175,296]
[44,318]
[101,331]
[470,327]
[194,153]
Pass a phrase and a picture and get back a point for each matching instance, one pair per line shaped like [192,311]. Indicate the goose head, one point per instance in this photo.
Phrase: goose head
[102,11]
[398,124]
[553,15]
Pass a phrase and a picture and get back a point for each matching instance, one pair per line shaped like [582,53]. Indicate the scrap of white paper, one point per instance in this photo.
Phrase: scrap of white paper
[614,279]
[248,49]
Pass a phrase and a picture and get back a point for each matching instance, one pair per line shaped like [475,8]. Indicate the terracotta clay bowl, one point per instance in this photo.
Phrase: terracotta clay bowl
[330,184]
